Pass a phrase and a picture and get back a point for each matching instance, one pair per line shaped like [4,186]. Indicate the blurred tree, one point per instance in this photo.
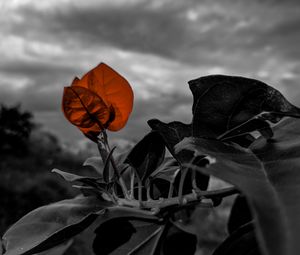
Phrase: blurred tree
[15,129]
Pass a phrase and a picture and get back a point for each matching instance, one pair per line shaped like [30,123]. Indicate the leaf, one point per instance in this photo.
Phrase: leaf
[120,158]
[167,170]
[73,177]
[147,155]
[124,168]
[95,163]
[240,242]
[122,218]
[86,110]
[164,176]
[240,167]
[108,239]
[281,159]
[242,140]
[92,186]
[177,242]
[160,188]
[51,225]
[58,250]
[240,214]
[1,247]
[202,181]
[114,90]
[172,134]
[92,191]
[247,127]
[224,102]
[90,181]
[142,237]
[134,237]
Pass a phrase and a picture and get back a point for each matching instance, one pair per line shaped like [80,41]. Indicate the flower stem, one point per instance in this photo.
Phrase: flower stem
[104,149]
[140,186]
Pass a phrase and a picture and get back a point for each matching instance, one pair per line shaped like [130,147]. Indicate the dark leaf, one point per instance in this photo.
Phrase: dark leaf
[240,214]
[187,218]
[178,242]
[57,250]
[224,102]
[243,140]
[167,170]
[89,181]
[200,180]
[147,155]
[108,239]
[121,157]
[281,159]
[124,168]
[240,167]
[247,127]
[73,177]
[172,134]
[168,174]
[96,163]
[160,188]
[1,247]
[92,191]
[127,236]
[51,225]
[164,176]
[240,242]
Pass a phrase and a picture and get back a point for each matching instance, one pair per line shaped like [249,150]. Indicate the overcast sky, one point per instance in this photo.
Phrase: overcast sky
[156,45]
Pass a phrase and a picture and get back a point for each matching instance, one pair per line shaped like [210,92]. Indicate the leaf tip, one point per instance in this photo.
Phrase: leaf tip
[55,170]
[185,143]
[211,160]
[153,123]
[75,81]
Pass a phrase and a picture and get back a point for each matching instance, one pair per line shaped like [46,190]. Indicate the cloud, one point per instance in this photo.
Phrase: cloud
[189,32]
[156,45]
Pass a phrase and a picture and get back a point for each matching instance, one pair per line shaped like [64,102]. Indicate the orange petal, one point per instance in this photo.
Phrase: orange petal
[114,90]
[85,109]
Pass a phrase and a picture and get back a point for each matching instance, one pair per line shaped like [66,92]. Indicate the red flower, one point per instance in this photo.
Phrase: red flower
[102,99]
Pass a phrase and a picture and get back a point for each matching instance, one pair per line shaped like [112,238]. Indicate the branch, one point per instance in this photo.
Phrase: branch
[188,199]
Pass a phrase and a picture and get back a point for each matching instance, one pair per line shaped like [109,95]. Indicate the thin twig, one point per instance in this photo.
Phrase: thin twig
[140,186]
[183,174]
[194,183]
[132,179]
[171,190]
[148,187]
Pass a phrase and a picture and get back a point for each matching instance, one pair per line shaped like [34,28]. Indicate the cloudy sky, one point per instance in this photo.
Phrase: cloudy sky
[156,45]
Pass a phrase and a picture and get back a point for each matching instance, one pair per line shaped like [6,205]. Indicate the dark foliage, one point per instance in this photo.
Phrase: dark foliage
[15,129]
[152,209]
